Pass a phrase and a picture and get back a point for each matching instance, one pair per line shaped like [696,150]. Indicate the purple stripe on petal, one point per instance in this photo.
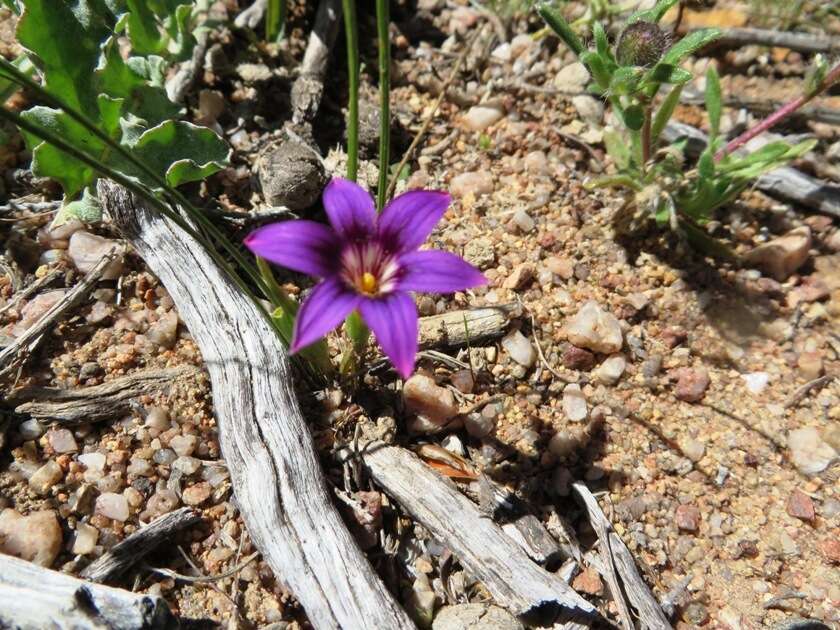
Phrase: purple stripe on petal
[393,319]
[303,246]
[408,219]
[324,309]
[437,272]
[349,208]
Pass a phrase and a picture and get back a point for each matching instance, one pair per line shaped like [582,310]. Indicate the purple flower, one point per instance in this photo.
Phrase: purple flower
[367,262]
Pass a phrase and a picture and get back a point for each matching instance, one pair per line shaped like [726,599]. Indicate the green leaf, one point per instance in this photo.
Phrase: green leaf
[47,161]
[552,16]
[87,210]
[147,38]
[183,151]
[713,101]
[690,44]
[666,110]
[65,38]
[613,181]
[634,117]
[626,80]
[666,73]
[597,68]
[652,15]
[602,45]
[617,148]
[9,87]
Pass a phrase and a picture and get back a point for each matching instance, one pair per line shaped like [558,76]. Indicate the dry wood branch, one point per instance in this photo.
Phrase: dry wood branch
[24,345]
[180,83]
[482,547]
[802,42]
[33,598]
[130,551]
[251,17]
[530,534]
[308,88]
[458,328]
[619,562]
[265,442]
[785,182]
[100,402]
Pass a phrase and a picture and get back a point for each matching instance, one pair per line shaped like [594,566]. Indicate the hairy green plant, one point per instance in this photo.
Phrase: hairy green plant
[75,50]
[275,20]
[631,75]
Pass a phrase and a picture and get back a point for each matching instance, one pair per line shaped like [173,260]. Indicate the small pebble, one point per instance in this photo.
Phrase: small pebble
[520,348]
[187,465]
[595,329]
[479,117]
[112,505]
[756,382]
[46,477]
[574,403]
[688,518]
[610,371]
[692,384]
[197,493]
[62,441]
[576,358]
[809,452]
[426,398]
[183,444]
[478,183]
[85,539]
[36,537]
[800,505]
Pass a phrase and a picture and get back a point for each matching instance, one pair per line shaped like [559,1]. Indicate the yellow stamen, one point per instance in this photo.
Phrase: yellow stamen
[368,283]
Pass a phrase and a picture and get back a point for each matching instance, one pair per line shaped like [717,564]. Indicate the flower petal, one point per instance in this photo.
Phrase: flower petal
[437,272]
[393,319]
[303,246]
[408,219]
[349,208]
[324,309]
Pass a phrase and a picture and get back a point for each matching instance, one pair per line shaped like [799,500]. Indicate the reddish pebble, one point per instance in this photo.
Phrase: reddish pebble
[692,384]
[800,506]
[588,582]
[830,548]
[576,358]
[688,518]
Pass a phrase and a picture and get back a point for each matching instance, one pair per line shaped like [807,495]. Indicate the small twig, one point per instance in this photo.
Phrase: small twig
[29,290]
[428,121]
[32,206]
[540,354]
[31,338]
[801,42]
[128,552]
[434,355]
[800,394]
[204,579]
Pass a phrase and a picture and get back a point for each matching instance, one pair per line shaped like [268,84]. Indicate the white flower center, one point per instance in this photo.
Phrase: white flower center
[368,269]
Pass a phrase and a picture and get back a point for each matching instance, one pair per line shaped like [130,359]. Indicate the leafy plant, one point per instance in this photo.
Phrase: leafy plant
[631,75]
[75,50]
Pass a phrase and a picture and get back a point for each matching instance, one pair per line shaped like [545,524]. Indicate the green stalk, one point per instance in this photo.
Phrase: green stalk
[275,20]
[383,19]
[351,34]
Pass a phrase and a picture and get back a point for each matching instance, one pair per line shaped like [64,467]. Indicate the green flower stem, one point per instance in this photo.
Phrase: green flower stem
[359,335]
[275,20]
[383,19]
[283,316]
[352,36]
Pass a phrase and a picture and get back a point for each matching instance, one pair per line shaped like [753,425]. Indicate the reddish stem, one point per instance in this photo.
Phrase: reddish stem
[779,115]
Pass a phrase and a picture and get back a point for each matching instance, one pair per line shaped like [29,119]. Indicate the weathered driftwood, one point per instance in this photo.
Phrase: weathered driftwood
[619,561]
[458,328]
[99,402]
[135,547]
[24,345]
[33,598]
[515,582]
[308,88]
[530,534]
[785,182]
[802,42]
[265,442]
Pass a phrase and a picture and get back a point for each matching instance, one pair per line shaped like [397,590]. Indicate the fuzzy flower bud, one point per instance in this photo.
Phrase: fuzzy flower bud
[642,44]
